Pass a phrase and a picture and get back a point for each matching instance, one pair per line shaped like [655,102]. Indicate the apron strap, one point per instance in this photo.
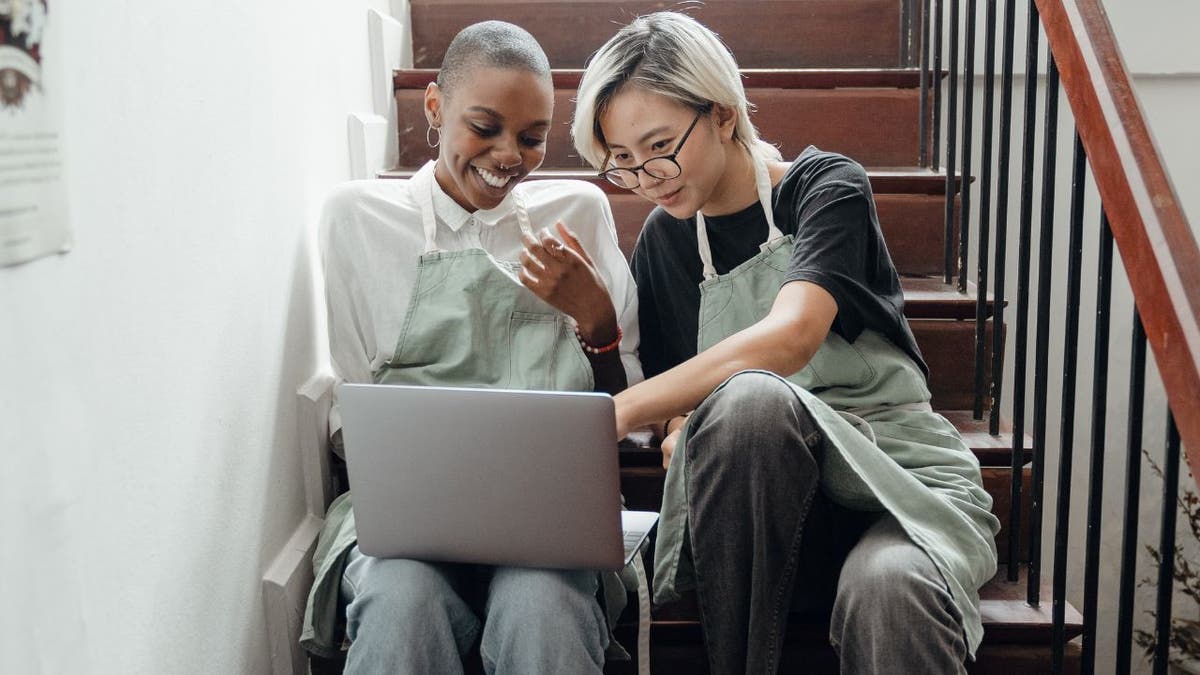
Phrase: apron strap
[424,183]
[762,185]
[522,211]
[643,638]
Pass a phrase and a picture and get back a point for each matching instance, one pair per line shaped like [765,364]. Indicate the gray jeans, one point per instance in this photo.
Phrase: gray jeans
[765,543]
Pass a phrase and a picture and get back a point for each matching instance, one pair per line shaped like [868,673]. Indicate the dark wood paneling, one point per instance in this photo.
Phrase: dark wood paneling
[760,33]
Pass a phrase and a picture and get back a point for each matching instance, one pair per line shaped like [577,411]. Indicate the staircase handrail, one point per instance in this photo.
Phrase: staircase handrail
[1154,239]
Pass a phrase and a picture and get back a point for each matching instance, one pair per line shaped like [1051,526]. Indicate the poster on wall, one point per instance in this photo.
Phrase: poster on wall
[33,196]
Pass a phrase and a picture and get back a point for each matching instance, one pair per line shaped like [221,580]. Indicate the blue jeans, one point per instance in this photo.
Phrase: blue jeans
[408,616]
[764,543]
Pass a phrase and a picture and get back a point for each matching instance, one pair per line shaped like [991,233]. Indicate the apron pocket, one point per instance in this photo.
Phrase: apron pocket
[532,341]
[838,364]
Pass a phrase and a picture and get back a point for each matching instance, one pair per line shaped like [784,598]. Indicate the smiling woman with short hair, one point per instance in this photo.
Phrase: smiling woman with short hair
[445,279]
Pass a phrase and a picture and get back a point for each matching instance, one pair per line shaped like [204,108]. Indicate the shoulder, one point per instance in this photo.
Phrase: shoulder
[359,212]
[816,169]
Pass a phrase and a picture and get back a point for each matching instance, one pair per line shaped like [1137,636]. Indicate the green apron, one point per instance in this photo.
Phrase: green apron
[470,322]
[887,449]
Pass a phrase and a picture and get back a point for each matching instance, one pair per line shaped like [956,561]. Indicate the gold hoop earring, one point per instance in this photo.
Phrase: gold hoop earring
[432,143]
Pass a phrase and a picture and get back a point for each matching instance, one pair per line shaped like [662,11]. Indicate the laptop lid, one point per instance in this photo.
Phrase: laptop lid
[494,476]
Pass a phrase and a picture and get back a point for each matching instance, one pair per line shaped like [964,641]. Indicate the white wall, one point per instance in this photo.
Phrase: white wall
[148,430]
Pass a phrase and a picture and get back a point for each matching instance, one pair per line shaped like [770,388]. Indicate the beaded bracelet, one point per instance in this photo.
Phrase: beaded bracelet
[598,350]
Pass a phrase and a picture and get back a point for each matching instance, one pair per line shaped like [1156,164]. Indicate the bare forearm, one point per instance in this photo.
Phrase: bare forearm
[782,342]
[764,346]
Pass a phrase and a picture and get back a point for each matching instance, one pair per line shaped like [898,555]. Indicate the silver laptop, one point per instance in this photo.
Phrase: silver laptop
[495,476]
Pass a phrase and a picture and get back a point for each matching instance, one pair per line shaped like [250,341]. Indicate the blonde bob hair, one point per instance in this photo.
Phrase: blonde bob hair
[669,54]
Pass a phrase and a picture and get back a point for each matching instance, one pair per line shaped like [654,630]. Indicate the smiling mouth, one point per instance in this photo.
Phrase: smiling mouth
[669,196]
[492,179]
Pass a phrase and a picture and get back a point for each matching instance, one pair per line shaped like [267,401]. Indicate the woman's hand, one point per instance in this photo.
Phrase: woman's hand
[563,274]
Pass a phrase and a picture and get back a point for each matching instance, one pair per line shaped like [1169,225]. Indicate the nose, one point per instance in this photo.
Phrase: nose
[645,180]
[508,151]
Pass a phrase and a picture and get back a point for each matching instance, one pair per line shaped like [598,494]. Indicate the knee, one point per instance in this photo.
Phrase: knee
[396,591]
[749,394]
[755,410]
[894,585]
[528,597]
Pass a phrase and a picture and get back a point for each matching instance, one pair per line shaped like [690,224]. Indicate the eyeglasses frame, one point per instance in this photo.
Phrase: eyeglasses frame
[638,170]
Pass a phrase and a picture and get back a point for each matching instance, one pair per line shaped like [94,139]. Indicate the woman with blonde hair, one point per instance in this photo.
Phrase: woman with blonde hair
[806,468]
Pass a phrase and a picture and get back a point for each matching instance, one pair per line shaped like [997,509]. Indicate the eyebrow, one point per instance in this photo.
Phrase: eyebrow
[493,113]
[646,136]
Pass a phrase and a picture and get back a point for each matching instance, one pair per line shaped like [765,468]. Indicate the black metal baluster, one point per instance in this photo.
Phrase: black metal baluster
[968,137]
[1133,485]
[936,132]
[1062,522]
[985,211]
[1166,549]
[1091,556]
[923,153]
[1042,338]
[951,144]
[1021,338]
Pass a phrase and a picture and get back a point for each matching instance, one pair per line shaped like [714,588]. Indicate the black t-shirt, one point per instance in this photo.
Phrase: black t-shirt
[824,200]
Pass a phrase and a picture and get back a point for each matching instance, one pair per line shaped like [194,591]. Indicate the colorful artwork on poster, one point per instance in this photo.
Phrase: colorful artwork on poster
[33,211]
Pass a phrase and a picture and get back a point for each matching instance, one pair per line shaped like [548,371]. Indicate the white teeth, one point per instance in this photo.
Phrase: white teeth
[491,178]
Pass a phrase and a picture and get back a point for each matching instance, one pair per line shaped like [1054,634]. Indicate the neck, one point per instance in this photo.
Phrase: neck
[736,189]
[448,186]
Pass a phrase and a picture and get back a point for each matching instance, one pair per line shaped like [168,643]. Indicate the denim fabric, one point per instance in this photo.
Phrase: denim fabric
[408,616]
[764,541]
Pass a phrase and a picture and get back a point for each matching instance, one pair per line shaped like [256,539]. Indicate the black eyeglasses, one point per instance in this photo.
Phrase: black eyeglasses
[663,167]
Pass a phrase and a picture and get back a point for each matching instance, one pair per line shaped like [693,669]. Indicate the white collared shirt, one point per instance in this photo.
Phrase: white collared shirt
[371,238]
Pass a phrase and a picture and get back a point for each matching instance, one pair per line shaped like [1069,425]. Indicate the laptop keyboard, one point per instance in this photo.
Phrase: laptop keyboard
[632,537]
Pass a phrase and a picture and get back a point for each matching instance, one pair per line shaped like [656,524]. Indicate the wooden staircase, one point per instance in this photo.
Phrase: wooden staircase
[830,73]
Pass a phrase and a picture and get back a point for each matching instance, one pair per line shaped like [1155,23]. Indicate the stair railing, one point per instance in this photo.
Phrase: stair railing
[1140,218]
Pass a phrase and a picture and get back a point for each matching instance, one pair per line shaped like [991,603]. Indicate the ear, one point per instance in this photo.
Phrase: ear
[433,105]
[725,118]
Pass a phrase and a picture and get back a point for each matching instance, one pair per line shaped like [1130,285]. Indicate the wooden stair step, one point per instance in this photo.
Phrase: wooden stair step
[752,78]
[874,125]
[932,298]
[1017,637]
[991,450]
[831,33]
[910,180]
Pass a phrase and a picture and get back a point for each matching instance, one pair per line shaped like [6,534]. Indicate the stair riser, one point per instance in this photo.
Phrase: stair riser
[949,350]
[761,33]
[876,127]
[816,657]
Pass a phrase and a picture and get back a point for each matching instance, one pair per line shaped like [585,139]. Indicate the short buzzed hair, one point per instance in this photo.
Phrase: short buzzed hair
[495,44]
